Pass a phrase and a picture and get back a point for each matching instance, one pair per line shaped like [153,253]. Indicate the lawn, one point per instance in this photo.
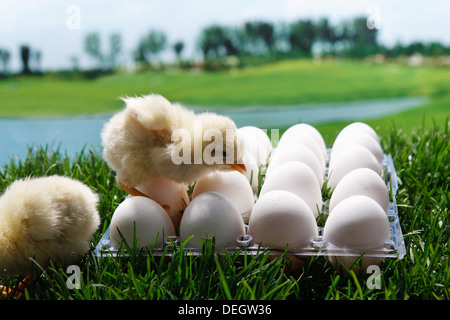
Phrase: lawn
[282,83]
[418,140]
[422,161]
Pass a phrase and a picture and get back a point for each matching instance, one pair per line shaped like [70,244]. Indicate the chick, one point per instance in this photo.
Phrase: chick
[47,219]
[153,138]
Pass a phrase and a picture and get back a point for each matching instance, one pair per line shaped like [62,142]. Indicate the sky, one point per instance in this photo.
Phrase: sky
[57,28]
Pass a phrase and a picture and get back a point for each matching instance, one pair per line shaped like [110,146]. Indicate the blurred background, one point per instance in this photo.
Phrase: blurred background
[270,63]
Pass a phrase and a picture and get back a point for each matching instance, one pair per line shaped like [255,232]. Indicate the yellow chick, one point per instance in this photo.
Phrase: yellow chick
[47,219]
[153,138]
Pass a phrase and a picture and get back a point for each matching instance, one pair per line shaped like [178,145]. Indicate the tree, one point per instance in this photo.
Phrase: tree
[232,42]
[324,31]
[261,34]
[354,38]
[435,49]
[216,41]
[92,48]
[115,48]
[37,56]
[302,36]
[75,63]
[212,42]
[362,40]
[362,34]
[414,47]
[104,60]
[4,57]
[25,57]
[178,48]
[150,46]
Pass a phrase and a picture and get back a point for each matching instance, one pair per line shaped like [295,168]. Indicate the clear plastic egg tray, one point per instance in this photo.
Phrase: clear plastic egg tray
[318,246]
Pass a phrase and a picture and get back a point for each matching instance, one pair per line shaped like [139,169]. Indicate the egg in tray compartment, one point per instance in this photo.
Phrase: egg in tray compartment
[336,202]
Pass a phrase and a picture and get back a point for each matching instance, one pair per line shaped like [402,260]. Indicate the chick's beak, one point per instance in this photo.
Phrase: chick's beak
[239,167]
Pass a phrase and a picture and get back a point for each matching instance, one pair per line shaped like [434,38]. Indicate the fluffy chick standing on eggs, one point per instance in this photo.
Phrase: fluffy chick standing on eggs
[153,138]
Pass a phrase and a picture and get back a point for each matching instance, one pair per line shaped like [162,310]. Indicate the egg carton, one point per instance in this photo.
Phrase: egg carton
[318,245]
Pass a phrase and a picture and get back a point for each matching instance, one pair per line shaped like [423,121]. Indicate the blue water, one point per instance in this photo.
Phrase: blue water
[280,117]
[71,134]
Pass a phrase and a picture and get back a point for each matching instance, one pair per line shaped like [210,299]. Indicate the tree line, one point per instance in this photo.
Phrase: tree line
[353,38]
[30,59]
[250,43]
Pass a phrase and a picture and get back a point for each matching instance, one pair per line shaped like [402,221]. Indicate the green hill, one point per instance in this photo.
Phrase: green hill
[277,84]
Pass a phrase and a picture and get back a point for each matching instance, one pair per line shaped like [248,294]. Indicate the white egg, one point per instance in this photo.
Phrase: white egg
[281,217]
[357,223]
[296,153]
[169,194]
[301,129]
[359,138]
[357,127]
[350,158]
[259,135]
[252,173]
[307,141]
[257,152]
[232,184]
[298,178]
[362,181]
[146,216]
[210,215]
[257,143]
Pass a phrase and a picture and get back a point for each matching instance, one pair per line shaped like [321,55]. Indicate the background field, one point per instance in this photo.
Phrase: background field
[278,84]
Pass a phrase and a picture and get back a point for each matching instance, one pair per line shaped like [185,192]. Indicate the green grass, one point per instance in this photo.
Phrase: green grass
[422,161]
[418,139]
[282,83]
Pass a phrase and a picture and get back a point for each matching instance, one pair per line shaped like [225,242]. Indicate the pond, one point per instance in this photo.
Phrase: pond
[282,117]
[71,134]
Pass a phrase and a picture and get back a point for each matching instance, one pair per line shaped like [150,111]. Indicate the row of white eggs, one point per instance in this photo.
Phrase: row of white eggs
[288,203]
[359,200]
[210,214]
[233,196]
